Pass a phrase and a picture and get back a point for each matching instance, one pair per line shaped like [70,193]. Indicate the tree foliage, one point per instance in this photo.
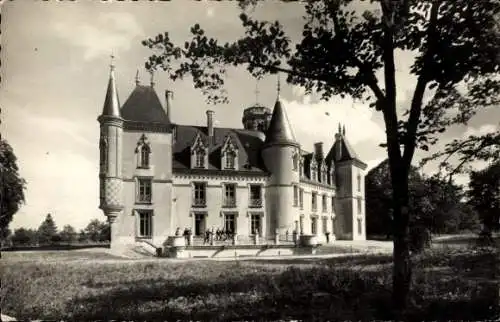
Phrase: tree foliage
[455,45]
[24,237]
[47,232]
[437,204]
[484,194]
[97,231]
[68,234]
[12,185]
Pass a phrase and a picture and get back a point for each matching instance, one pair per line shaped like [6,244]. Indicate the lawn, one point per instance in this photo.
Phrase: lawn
[448,284]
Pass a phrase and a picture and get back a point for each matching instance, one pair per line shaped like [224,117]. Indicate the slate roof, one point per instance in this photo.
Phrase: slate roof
[347,154]
[248,142]
[143,105]
[279,130]
[111,102]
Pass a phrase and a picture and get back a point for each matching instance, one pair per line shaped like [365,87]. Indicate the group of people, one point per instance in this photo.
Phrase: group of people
[219,235]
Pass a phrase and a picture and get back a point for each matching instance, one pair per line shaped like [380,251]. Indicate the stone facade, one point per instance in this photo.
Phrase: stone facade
[158,177]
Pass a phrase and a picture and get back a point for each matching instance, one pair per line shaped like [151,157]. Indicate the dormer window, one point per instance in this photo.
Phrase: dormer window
[229,155]
[314,169]
[199,154]
[230,158]
[200,158]
[143,152]
[332,174]
[301,166]
[324,174]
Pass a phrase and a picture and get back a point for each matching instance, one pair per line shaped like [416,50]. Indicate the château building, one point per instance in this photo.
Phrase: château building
[157,176]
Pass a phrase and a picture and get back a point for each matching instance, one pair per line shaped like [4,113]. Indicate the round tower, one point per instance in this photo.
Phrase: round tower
[278,152]
[110,148]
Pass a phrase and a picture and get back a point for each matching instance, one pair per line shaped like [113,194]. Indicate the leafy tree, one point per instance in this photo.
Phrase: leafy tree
[68,234]
[455,44]
[484,196]
[12,185]
[24,237]
[82,236]
[97,231]
[47,230]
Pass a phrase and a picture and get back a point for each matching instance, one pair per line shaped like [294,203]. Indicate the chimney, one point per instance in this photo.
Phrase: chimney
[210,126]
[318,150]
[169,96]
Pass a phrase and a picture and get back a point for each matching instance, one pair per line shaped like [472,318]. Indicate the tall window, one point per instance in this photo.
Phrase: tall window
[103,149]
[144,190]
[230,223]
[360,226]
[230,160]
[325,224]
[295,196]
[200,159]
[359,183]
[301,198]
[301,167]
[323,203]
[256,225]
[333,204]
[229,195]
[301,224]
[200,196]
[360,206]
[145,224]
[295,160]
[314,225]
[255,196]
[314,201]
[144,156]
[324,175]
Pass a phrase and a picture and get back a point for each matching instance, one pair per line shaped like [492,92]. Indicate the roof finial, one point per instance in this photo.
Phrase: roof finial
[152,77]
[112,63]
[279,87]
[137,80]
[340,129]
[343,130]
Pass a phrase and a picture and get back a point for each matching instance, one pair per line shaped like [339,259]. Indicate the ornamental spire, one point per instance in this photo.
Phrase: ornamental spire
[111,102]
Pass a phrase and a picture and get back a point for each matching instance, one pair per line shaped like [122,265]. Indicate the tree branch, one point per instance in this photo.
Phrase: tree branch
[418,95]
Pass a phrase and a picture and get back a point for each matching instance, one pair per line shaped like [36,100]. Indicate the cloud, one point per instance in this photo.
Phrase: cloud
[318,122]
[484,129]
[111,32]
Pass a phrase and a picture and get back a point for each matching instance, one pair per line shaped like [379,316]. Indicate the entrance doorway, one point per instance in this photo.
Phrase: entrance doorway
[199,224]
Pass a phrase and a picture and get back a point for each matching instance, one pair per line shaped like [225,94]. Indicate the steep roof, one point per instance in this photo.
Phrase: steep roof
[111,102]
[347,152]
[249,144]
[280,131]
[143,105]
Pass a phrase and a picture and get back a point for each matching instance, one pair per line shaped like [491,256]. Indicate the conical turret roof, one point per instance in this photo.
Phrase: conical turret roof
[111,102]
[280,131]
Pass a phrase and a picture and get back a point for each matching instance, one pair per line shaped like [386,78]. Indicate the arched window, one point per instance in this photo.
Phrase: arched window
[144,157]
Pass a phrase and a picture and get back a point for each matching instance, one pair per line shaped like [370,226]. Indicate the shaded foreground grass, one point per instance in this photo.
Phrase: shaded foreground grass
[459,284]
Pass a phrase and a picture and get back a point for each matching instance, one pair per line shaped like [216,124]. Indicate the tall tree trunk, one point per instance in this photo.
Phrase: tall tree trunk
[401,254]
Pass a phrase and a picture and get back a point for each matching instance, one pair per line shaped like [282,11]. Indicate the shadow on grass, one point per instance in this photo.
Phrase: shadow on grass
[305,294]
[375,259]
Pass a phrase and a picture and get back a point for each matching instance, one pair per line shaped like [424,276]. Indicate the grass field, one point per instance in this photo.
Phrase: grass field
[77,285]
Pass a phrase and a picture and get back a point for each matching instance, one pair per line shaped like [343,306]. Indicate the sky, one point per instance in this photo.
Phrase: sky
[55,66]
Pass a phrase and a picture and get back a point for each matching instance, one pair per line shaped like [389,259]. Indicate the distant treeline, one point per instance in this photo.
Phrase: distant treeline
[47,235]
